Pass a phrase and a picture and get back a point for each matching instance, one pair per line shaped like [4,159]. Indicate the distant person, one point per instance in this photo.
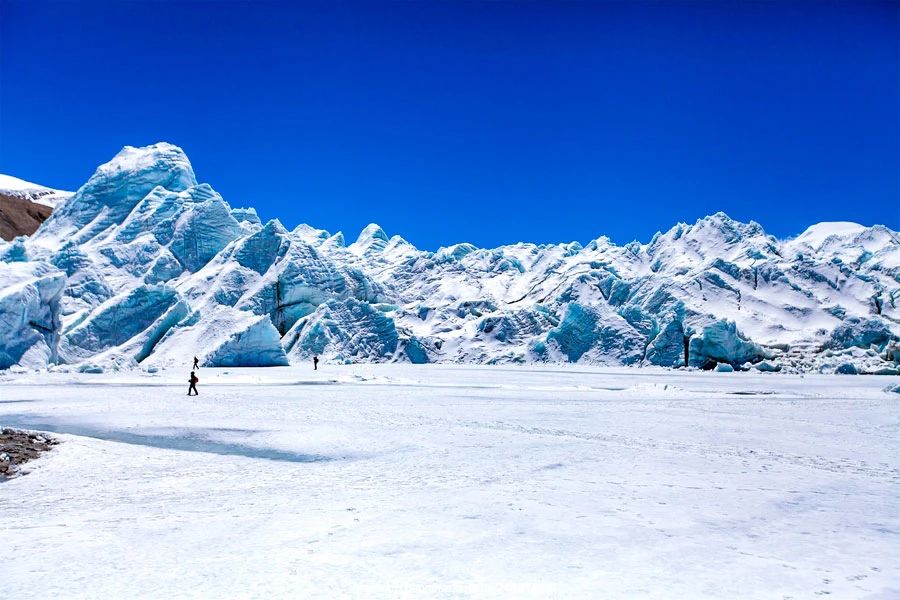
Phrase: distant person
[315,363]
[193,381]
[196,364]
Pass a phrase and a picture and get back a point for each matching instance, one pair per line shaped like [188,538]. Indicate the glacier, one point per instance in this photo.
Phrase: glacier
[29,313]
[145,267]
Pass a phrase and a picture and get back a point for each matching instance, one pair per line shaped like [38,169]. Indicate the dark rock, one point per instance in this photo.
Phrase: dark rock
[18,447]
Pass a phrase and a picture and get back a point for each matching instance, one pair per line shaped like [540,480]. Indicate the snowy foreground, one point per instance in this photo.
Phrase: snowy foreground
[448,481]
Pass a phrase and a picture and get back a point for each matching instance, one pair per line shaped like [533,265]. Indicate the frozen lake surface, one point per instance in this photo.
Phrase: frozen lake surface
[451,481]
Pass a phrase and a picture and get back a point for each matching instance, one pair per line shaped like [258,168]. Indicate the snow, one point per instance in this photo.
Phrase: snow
[394,481]
[733,293]
[227,337]
[8,182]
[816,235]
[32,191]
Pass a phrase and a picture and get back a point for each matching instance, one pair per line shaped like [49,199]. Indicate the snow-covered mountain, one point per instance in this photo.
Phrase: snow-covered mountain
[39,194]
[25,205]
[145,266]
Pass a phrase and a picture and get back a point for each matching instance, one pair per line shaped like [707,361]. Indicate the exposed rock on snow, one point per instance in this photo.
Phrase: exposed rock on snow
[25,205]
[18,447]
[146,265]
[20,216]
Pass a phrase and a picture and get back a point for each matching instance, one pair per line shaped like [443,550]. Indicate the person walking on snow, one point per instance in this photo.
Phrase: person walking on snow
[196,364]
[315,363]
[193,381]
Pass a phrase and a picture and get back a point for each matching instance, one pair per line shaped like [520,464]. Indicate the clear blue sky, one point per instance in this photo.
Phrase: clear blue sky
[482,122]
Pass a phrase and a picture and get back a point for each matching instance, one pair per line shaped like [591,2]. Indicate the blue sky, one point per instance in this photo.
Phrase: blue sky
[464,121]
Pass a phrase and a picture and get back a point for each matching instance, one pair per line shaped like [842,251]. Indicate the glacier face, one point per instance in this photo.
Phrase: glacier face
[144,266]
[29,313]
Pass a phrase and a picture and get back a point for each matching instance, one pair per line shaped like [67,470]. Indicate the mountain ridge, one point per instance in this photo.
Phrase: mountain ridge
[143,239]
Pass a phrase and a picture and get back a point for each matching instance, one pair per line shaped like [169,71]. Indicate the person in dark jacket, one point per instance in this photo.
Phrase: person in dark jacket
[196,364]
[193,381]
[315,363]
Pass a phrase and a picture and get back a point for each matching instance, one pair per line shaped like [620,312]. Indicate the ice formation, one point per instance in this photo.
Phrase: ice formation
[144,266]
[29,313]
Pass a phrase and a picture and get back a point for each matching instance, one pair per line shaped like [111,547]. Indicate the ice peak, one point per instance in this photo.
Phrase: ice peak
[719,220]
[164,163]
[337,240]
[601,243]
[731,229]
[397,242]
[133,156]
[456,251]
[274,227]
[817,234]
[371,232]
[246,215]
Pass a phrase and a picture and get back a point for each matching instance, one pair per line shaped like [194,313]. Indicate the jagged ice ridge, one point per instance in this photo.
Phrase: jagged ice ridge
[145,267]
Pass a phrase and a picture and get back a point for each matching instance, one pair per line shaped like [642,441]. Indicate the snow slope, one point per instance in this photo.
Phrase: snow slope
[36,193]
[716,291]
[445,481]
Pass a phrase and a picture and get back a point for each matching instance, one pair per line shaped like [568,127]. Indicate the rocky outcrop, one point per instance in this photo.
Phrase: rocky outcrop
[20,216]
[24,206]
[19,447]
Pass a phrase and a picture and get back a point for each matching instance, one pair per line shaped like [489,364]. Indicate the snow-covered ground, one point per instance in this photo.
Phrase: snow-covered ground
[450,481]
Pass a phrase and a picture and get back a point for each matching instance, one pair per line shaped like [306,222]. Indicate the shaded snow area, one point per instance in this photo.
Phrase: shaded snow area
[146,266]
[441,481]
